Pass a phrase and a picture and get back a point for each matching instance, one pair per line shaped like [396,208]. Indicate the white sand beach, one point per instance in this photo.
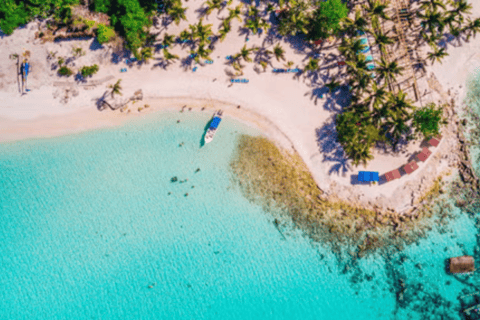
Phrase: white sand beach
[289,110]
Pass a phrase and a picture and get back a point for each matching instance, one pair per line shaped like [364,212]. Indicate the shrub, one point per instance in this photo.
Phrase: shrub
[104,33]
[89,23]
[65,71]
[14,13]
[326,19]
[88,71]
[427,120]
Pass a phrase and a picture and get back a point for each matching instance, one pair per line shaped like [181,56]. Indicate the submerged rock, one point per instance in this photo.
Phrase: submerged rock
[174,179]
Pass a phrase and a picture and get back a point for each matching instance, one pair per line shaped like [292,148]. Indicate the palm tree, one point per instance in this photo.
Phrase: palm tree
[398,114]
[332,85]
[116,88]
[235,13]
[361,83]
[256,24]
[146,54]
[226,28]
[168,40]
[169,56]
[388,70]
[202,52]
[294,20]
[185,35]
[351,47]
[177,13]
[461,7]
[279,52]
[213,4]
[245,53]
[434,20]
[201,31]
[358,66]
[382,40]
[432,5]
[377,9]
[312,65]
[437,55]
[359,23]
[264,64]
[472,27]
[377,97]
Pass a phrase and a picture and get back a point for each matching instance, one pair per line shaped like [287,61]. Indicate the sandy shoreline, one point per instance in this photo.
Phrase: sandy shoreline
[297,113]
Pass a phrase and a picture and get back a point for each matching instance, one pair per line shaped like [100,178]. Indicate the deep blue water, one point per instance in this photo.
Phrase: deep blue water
[88,230]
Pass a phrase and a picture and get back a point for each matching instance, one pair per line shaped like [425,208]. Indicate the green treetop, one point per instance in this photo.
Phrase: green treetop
[326,19]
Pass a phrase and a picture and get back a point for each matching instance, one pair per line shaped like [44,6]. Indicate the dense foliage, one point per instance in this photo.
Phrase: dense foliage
[104,33]
[427,120]
[14,13]
[131,18]
[326,19]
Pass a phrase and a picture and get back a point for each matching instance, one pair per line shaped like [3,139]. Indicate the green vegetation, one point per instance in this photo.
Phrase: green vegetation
[428,120]
[116,88]
[326,19]
[131,18]
[14,13]
[88,71]
[65,71]
[104,33]
[78,52]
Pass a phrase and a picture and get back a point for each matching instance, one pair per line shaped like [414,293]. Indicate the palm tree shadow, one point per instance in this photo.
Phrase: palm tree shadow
[186,63]
[331,149]
[317,93]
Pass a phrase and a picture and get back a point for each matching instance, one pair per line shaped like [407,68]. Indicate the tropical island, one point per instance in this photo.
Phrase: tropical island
[364,93]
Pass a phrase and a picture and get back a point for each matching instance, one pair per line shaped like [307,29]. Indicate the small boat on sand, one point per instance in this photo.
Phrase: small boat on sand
[217,117]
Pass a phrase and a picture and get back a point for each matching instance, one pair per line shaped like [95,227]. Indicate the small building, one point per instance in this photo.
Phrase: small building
[462,264]
[368,176]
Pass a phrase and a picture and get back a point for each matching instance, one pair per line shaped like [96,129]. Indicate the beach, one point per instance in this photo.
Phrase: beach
[295,112]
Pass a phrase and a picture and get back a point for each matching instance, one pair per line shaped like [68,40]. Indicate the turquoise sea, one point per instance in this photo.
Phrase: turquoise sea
[91,227]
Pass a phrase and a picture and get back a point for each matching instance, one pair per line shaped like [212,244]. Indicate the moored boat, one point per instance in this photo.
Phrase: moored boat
[217,117]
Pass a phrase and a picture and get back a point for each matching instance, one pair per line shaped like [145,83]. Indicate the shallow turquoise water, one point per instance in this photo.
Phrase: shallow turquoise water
[88,230]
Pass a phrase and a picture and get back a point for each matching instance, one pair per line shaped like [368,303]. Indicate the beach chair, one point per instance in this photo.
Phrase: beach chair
[194,69]
[423,156]
[410,167]
[392,175]
[434,142]
[369,58]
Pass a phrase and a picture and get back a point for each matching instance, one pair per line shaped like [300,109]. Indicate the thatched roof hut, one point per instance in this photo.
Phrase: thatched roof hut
[462,264]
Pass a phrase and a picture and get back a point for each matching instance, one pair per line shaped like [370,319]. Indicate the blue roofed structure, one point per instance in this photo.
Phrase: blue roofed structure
[368,176]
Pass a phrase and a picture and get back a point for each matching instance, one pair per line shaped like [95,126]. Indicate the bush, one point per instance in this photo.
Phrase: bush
[104,33]
[326,19]
[14,13]
[427,120]
[88,71]
[129,18]
[65,71]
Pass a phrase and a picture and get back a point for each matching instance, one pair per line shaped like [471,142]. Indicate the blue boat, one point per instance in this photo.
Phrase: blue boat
[217,117]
